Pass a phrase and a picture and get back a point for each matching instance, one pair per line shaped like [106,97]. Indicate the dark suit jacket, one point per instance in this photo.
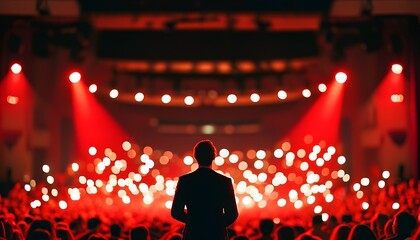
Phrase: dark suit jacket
[210,201]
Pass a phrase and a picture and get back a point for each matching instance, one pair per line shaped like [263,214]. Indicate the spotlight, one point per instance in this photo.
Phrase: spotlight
[75,77]
[341,77]
[396,68]
[16,68]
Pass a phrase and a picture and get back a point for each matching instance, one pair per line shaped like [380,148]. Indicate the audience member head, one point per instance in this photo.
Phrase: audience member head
[42,224]
[285,233]
[266,226]
[340,232]
[404,224]
[204,152]
[94,223]
[378,224]
[139,233]
[115,230]
[361,232]
[347,218]
[39,234]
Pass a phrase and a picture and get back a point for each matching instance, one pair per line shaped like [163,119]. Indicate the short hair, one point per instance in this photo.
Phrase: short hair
[204,152]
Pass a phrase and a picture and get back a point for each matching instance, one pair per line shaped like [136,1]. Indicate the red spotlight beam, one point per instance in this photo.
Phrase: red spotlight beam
[94,126]
[322,121]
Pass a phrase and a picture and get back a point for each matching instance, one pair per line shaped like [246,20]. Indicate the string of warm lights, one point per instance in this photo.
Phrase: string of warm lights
[213,97]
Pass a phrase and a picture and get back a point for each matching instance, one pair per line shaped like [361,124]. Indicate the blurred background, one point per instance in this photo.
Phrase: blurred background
[139,82]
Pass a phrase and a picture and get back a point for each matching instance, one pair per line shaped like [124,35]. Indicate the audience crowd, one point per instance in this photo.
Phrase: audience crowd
[381,221]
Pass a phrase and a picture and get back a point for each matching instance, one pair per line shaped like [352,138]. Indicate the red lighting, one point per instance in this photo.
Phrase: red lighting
[16,68]
[397,68]
[75,77]
[341,77]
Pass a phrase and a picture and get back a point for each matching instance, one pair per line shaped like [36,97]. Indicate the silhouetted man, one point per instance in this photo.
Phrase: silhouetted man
[208,197]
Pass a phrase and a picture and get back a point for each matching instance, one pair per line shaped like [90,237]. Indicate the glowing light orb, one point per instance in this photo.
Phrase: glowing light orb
[93,88]
[114,93]
[365,205]
[188,100]
[75,77]
[12,100]
[16,68]
[306,93]
[281,202]
[261,154]
[341,77]
[397,98]
[232,98]
[233,158]
[46,168]
[92,151]
[282,94]
[188,160]
[395,206]
[75,167]
[322,87]
[385,174]
[317,209]
[365,181]
[27,187]
[278,153]
[381,184]
[62,204]
[139,97]
[255,97]
[396,68]
[356,187]
[341,160]
[166,99]
[224,153]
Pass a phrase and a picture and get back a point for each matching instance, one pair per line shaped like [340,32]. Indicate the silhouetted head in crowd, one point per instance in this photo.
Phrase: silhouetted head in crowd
[42,224]
[93,223]
[347,218]
[39,234]
[204,152]
[377,224]
[139,233]
[361,232]
[340,232]
[266,226]
[285,233]
[115,230]
[404,224]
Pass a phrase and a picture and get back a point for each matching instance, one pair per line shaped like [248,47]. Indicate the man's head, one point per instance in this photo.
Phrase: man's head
[204,152]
